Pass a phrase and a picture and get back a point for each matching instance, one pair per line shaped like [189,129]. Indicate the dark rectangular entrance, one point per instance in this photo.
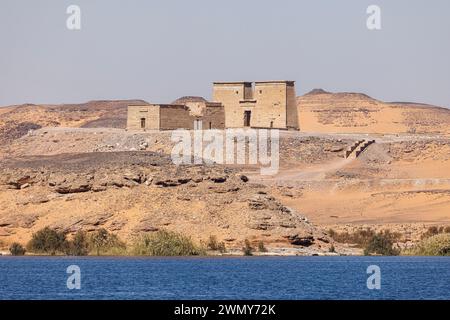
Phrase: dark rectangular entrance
[247,116]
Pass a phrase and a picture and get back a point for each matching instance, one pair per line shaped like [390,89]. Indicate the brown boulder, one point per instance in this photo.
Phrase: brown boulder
[304,241]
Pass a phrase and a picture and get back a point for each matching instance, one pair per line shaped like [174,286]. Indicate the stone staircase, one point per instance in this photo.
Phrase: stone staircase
[357,148]
[350,149]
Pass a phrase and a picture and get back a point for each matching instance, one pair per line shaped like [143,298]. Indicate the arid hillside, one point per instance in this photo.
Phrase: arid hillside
[321,111]
[16,121]
[74,167]
[130,193]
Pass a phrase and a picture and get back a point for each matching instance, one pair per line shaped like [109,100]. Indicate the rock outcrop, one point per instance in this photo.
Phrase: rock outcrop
[131,193]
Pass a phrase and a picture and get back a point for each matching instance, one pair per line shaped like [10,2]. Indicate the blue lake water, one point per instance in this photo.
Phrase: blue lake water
[289,278]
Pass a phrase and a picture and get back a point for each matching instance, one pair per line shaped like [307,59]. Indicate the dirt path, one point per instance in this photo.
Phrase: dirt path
[310,173]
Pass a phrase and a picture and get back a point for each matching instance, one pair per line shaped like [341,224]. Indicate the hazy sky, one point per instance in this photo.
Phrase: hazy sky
[161,50]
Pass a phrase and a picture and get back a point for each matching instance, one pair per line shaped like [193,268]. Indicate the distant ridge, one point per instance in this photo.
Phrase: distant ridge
[16,120]
[317,91]
[416,104]
[318,111]
[349,112]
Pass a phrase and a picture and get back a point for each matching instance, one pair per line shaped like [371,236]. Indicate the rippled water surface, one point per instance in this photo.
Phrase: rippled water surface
[225,278]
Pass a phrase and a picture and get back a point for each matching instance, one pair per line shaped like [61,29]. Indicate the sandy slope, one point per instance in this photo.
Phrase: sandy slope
[401,182]
[320,111]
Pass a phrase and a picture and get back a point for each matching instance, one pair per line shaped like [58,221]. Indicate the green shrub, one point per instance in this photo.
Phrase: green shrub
[332,249]
[437,245]
[359,237]
[16,249]
[79,246]
[247,249]
[431,231]
[166,243]
[331,233]
[48,241]
[368,239]
[106,243]
[215,245]
[261,247]
[222,248]
[382,243]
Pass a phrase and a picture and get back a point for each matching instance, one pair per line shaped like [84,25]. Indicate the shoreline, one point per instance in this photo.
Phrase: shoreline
[224,257]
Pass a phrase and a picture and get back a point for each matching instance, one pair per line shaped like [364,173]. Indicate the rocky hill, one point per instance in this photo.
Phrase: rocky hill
[319,111]
[322,111]
[133,192]
[16,121]
[73,167]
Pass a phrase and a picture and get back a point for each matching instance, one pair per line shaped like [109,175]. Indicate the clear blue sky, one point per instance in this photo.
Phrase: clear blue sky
[160,50]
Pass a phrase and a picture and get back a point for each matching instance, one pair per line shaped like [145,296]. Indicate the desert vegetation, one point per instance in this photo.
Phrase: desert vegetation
[50,241]
[262,247]
[435,230]
[435,241]
[248,248]
[16,249]
[166,243]
[379,243]
[382,243]
[103,242]
[436,245]
[214,245]
[47,241]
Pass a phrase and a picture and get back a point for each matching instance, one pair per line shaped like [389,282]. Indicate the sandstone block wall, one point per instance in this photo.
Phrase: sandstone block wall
[159,117]
[270,110]
[214,117]
[291,107]
[272,103]
[148,112]
[230,94]
[175,117]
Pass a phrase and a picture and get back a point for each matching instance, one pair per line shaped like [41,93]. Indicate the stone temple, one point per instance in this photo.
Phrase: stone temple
[262,104]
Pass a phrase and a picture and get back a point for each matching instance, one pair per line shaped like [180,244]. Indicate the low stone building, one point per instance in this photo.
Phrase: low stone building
[263,104]
[190,115]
